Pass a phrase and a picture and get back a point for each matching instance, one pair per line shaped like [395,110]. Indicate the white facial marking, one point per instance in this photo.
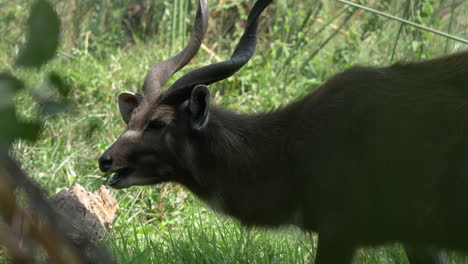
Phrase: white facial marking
[165,118]
[131,135]
[165,114]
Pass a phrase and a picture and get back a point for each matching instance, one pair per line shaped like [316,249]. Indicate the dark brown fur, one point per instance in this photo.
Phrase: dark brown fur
[375,155]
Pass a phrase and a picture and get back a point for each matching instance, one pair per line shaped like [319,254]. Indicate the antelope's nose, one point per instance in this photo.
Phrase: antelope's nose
[105,162]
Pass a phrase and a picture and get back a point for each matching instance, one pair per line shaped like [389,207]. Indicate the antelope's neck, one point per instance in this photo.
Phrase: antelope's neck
[247,167]
[252,140]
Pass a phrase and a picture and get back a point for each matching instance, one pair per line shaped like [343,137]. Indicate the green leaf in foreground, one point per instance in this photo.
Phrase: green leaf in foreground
[51,107]
[9,85]
[57,82]
[43,36]
[8,80]
[12,128]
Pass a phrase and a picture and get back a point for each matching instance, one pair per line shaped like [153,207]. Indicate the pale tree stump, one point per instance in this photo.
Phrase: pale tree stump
[91,214]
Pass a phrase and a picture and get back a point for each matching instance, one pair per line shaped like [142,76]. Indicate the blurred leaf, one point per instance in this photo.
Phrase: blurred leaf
[8,80]
[50,107]
[414,45]
[28,130]
[9,85]
[43,35]
[59,84]
[52,96]
[12,128]
[91,126]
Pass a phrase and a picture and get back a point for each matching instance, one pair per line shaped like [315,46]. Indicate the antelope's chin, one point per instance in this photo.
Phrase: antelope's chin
[127,177]
[120,179]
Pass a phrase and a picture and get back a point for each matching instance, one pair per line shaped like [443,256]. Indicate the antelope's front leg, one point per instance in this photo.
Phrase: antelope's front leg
[424,255]
[334,249]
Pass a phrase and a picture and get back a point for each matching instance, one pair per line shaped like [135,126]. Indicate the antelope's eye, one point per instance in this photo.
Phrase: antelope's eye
[155,124]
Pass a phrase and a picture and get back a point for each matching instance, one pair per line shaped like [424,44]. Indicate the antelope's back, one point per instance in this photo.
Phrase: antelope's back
[391,144]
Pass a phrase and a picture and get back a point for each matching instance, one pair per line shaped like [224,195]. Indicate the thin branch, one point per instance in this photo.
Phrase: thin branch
[41,232]
[11,242]
[346,33]
[302,41]
[405,21]
[399,30]
[328,23]
[450,24]
[211,52]
[328,39]
[46,227]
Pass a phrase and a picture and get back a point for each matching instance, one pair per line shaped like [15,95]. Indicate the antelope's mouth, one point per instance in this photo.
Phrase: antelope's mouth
[120,175]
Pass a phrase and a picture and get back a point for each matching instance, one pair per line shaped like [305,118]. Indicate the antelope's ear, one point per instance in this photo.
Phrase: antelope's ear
[127,102]
[199,104]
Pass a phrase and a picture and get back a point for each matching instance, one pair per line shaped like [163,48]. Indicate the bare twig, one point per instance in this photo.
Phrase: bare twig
[40,232]
[344,32]
[325,25]
[211,52]
[328,39]
[44,225]
[12,244]
[450,24]
[397,38]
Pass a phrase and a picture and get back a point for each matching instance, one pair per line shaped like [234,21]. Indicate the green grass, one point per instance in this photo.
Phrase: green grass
[166,224]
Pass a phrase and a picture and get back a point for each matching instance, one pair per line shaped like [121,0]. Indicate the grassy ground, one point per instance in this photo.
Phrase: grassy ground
[166,224]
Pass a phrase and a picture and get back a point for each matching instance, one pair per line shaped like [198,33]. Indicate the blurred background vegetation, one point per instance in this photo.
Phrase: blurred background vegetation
[107,47]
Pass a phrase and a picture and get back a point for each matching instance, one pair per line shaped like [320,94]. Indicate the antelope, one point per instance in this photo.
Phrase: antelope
[375,155]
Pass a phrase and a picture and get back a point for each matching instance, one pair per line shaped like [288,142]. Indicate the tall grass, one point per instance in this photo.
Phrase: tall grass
[301,44]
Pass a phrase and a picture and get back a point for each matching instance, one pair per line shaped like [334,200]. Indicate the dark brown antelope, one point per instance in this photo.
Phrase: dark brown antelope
[375,155]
